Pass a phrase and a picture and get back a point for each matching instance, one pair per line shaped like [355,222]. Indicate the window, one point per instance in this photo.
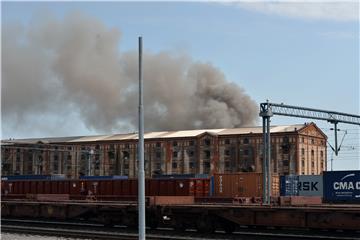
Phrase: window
[158,144]
[158,166]
[285,163]
[227,152]
[207,142]
[158,154]
[97,147]
[302,163]
[321,154]
[126,166]
[303,151]
[207,154]
[312,153]
[227,141]
[126,155]
[56,167]
[312,164]
[127,146]
[286,139]
[175,154]
[246,141]
[207,164]
[69,148]
[111,154]
[312,141]
[191,165]
[246,152]
[191,143]
[174,165]
[175,143]
[191,153]
[227,164]
[56,157]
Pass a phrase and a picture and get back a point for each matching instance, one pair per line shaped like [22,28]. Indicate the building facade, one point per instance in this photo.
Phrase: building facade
[295,149]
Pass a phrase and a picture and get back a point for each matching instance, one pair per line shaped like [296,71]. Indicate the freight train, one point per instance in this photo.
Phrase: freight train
[206,203]
[331,187]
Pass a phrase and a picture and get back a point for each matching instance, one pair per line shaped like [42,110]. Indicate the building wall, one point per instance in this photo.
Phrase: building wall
[301,152]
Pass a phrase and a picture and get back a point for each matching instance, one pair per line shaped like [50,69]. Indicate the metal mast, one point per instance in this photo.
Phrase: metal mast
[266,114]
[141,177]
[267,110]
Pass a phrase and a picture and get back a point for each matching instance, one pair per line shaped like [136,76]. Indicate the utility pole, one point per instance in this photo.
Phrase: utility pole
[141,173]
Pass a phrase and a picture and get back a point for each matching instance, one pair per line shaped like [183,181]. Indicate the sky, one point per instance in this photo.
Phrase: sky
[302,54]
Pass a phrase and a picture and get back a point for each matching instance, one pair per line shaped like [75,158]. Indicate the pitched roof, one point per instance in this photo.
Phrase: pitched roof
[159,135]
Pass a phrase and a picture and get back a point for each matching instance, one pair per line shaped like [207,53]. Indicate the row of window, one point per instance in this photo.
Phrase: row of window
[312,152]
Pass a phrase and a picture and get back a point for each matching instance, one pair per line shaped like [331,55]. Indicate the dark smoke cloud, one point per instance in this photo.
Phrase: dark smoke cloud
[75,65]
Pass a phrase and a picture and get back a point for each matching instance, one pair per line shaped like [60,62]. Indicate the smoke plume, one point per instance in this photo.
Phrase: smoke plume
[56,68]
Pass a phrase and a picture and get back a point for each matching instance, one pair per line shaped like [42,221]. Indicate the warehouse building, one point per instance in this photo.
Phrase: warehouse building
[295,149]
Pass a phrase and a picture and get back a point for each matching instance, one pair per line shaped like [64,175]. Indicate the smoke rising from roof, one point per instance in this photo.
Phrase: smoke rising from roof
[75,65]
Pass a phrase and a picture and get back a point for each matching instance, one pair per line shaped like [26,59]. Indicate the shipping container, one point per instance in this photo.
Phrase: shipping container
[242,185]
[104,177]
[33,177]
[25,177]
[301,185]
[342,186]
[180,176]
[110,187]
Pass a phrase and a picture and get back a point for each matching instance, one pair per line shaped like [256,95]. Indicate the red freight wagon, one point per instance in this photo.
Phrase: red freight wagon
[74,187]
[63,187]
[33,188]
[116,187]
[54,189]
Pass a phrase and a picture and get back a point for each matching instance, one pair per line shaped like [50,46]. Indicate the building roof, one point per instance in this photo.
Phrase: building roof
[159,135]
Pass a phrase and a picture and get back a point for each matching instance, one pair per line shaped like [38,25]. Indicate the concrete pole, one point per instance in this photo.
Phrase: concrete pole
[141,177]
[264,163]
[269,170]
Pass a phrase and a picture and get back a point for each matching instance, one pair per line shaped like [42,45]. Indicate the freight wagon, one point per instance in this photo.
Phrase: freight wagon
[173,203]
[105,189]
[248,185]
[331,187]
[342,187]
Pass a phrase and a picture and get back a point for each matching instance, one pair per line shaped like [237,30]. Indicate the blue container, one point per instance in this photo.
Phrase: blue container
[26,177]
[175,176]
[103,177]
[289,185]
[342,186]
[301,185]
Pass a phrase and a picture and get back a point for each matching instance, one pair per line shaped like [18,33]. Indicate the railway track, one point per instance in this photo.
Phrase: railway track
[97,231]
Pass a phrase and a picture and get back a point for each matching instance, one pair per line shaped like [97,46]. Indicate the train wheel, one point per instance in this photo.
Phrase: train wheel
[228,227]
[107,221]
[130,221]
[153,222]
[180,225]
[205,224]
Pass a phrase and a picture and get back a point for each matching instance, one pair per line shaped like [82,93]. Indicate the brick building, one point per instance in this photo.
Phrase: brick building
[296,149]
